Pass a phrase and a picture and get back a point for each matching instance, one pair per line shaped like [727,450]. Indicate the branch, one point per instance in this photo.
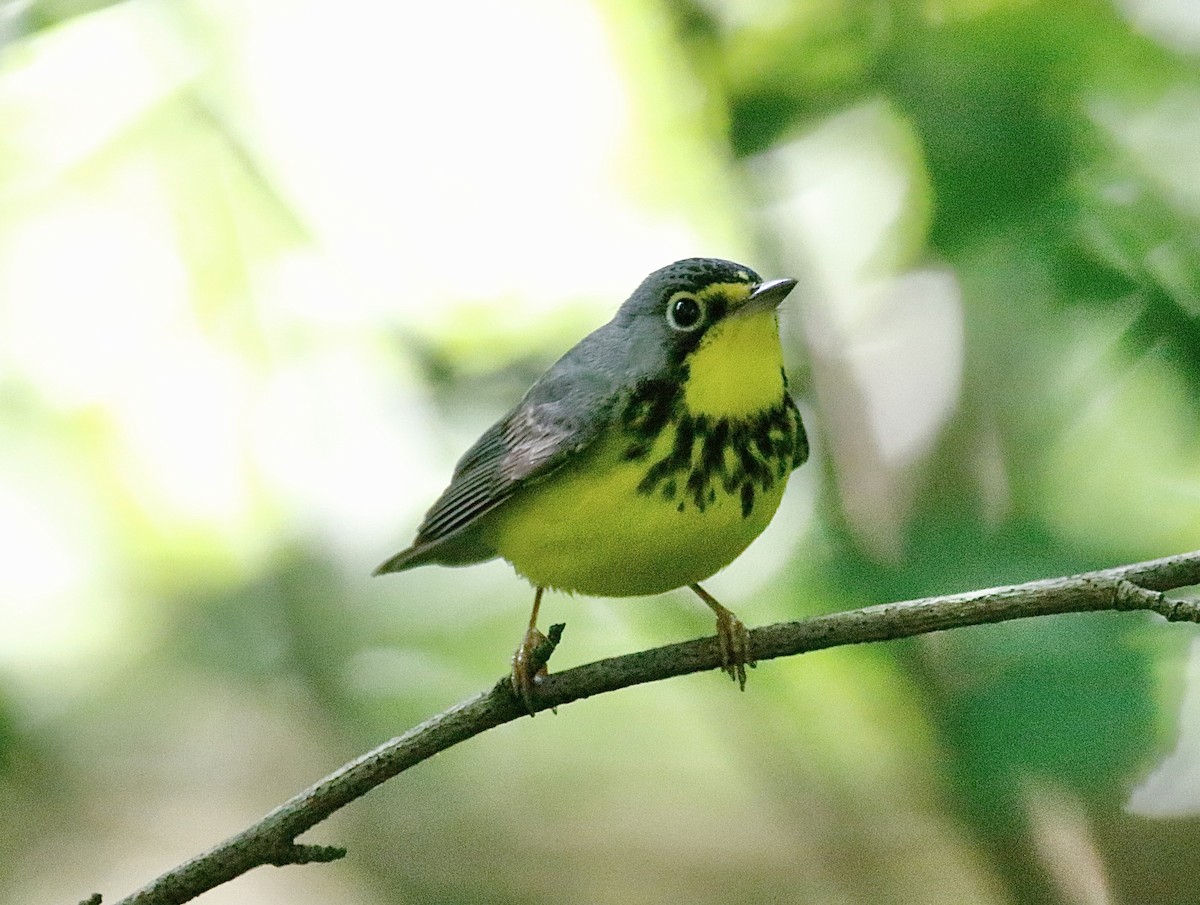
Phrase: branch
[272,839]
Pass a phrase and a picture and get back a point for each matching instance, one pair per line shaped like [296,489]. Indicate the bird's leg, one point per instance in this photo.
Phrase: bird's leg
[529,662]
[732,636]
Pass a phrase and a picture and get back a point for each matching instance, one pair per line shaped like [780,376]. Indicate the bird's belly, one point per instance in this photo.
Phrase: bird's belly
[594,528]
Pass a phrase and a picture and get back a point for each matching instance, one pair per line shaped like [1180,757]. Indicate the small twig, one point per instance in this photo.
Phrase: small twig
[542,653]
[272,839]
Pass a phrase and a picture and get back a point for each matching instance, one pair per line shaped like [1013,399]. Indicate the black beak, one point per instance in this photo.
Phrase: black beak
[768,295]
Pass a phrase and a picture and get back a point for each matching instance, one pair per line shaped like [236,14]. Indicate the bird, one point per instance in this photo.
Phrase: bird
[645,459]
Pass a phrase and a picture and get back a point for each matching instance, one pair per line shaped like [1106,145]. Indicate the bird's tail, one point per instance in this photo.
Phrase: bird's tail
[405,559]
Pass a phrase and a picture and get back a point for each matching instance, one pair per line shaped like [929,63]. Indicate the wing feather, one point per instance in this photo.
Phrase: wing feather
[563,412]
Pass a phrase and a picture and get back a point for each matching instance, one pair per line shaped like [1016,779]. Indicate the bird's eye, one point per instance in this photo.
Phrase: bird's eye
[685,312]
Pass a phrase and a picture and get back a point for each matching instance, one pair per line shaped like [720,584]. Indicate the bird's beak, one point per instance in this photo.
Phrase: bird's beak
[767,296]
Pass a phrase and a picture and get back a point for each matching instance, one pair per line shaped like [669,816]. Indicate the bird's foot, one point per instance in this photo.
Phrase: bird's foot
[732,637]
[735,646]
[529,662]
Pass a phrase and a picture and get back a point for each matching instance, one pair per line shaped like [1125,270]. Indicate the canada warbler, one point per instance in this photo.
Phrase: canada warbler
[645,459]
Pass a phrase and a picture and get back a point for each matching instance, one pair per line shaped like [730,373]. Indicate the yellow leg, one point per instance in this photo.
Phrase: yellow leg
[525,670]
[732,636]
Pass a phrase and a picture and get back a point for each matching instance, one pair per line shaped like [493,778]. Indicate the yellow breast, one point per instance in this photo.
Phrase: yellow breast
[589,529]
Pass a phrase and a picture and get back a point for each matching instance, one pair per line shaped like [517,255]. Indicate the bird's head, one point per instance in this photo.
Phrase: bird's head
[712,325]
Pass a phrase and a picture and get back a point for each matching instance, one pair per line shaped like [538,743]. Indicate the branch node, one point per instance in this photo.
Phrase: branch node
[293,853]
[1130,596]
[94,899]
[1185,609]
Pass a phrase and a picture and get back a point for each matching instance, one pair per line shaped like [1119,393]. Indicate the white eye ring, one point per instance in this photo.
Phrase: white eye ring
[685,312]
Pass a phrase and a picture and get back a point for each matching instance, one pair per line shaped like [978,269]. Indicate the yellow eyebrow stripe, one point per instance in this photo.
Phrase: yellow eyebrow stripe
[734,292]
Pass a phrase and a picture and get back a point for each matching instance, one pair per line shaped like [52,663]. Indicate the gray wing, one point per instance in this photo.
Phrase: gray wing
[563,412]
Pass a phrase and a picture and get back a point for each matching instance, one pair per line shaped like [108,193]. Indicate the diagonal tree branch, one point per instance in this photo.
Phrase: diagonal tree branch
[271,840]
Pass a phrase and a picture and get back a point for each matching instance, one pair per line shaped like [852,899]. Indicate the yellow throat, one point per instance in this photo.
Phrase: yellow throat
[737,370]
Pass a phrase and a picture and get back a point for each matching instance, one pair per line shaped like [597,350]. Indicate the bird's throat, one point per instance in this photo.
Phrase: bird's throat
[736,371]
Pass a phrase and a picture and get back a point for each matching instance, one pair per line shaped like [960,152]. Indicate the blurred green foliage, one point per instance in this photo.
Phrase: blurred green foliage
[266,269]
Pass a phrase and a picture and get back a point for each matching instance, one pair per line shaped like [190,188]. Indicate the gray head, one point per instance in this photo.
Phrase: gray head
[675,306]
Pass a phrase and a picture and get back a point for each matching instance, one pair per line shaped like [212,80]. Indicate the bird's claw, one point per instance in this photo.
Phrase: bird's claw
[529,662]
[734,641]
